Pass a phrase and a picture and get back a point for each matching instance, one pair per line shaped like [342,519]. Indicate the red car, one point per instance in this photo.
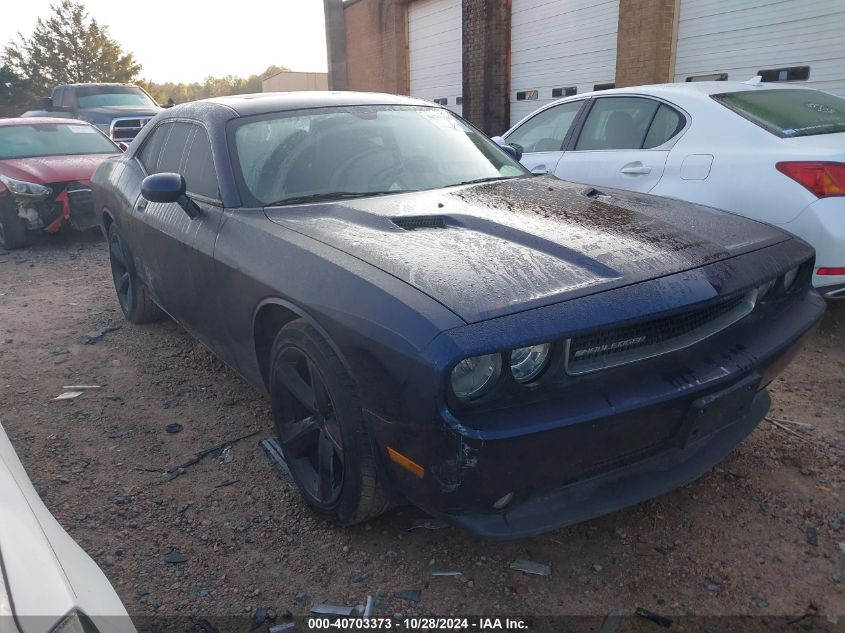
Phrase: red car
[45,175]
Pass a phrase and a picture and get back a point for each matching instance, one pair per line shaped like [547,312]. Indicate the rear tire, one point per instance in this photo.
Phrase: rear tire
[12,227]
[321,428]
[134,300]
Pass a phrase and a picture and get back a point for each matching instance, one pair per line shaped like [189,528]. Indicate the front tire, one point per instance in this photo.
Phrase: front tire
[12,227]
[321,429]
[134,300]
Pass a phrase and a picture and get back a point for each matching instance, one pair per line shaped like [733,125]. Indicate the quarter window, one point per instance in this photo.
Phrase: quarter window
[667,122]
[546,131]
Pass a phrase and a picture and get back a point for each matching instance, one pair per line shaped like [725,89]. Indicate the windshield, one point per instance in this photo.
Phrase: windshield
[97,96]
[51,139]
[362,150]
[788,113]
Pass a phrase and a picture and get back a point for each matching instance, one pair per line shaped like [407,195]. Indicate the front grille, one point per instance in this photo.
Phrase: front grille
[124,130]
[628,344]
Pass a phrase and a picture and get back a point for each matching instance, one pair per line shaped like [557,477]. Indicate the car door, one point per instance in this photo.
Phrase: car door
[179,268]
[542,137]
[623,142]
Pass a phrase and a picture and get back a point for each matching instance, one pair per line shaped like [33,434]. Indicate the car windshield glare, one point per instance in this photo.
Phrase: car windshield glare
[51,139]
[97,97]
[786,112]
[344,152]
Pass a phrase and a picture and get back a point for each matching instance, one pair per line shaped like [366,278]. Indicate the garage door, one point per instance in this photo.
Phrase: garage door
[559,47]
[435,53]
[743,37]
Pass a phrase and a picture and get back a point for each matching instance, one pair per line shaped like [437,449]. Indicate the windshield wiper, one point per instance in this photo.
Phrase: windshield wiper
[488,179]
[330,195]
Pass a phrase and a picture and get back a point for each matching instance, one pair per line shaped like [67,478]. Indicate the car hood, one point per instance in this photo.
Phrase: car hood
[496,248]
[121,111]
[49,169]
[31,539]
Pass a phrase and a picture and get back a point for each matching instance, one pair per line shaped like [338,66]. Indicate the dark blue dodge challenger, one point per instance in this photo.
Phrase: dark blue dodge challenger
[434,324]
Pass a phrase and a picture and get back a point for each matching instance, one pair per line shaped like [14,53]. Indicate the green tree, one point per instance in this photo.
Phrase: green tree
[69,47]
[15,93]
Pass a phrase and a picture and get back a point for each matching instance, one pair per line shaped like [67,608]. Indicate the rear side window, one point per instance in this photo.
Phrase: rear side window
[788,113]
[547,130]
[199,174]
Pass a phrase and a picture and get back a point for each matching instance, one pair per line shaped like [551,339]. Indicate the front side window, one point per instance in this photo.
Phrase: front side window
[182,148]
[546,131]
[786,112]
[329,153]
[200,177]
[99,96]
[617,123]
[52,139]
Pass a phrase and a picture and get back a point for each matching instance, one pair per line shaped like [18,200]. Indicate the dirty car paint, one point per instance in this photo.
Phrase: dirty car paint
[495,267]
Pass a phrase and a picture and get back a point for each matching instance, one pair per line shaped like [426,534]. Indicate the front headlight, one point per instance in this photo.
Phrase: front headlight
[25,189]
[790,277]
[474,376]
[75,622]
[529,362]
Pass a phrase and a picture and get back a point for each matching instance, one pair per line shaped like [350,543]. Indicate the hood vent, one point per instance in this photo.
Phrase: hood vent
[414,222]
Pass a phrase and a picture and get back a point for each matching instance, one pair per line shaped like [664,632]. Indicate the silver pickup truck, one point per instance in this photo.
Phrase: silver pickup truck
[119,110]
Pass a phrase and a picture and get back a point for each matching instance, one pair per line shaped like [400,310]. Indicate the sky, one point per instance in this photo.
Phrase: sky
[188,40]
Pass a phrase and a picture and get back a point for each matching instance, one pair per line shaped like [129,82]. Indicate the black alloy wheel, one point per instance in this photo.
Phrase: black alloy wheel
[311,432]
[320,428]
[135,302]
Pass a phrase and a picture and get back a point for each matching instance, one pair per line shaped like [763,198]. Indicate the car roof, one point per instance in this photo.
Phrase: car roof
[40,120]
[267,102]
[702,88]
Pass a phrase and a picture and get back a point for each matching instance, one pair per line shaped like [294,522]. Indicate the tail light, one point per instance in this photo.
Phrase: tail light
[821,178]
[831,271]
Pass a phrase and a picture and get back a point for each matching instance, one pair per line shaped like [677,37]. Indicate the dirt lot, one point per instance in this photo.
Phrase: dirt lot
[762,534]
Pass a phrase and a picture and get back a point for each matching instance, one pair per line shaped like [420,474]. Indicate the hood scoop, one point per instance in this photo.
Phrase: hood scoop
[414,222]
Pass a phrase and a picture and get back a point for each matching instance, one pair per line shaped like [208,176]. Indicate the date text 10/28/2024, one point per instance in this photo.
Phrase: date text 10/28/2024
[481,624]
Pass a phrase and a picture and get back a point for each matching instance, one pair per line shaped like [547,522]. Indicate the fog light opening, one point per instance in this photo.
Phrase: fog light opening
[504,501]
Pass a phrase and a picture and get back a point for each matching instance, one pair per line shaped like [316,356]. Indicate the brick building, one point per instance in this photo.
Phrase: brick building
[495,61]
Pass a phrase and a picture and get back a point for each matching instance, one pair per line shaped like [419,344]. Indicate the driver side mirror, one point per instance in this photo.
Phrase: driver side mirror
[166,188]
[45,103]
[515,151]
[122,146]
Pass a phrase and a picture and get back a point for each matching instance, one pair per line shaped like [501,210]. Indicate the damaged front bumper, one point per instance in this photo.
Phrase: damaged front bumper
[69,203]
[612,440]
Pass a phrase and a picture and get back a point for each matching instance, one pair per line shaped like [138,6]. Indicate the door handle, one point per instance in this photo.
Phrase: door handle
[635,169]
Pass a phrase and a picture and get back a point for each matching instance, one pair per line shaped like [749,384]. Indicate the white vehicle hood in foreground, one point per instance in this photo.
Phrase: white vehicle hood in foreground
[47,575]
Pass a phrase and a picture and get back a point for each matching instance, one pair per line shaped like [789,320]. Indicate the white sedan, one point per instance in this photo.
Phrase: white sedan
[47,582]
[771,152]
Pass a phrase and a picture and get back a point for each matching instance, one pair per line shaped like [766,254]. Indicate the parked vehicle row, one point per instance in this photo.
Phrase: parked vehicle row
[433,323]
[772,153]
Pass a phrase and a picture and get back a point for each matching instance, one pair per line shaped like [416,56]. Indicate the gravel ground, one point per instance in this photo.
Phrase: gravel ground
[760,535]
